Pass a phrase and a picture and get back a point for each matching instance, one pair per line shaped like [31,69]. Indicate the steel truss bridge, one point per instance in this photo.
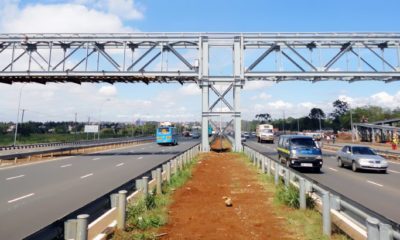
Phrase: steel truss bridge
[190,57]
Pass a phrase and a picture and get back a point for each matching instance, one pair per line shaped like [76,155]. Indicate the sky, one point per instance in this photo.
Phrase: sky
[174,102]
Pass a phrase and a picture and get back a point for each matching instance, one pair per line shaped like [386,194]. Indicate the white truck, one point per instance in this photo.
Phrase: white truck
[264,132]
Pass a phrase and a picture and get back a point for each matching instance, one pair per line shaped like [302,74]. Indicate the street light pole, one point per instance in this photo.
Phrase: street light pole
[351,125]
[19,107]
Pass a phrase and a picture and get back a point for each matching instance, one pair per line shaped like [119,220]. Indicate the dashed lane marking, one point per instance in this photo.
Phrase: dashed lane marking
[66,165]
[393,171]
[120,164]
[333,169]
[19,176]
[20,198]
[95,159]
[140,157]
[87,175]
[377,184]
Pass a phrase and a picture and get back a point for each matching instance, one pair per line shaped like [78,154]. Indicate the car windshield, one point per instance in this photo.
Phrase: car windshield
[306,142]
[363,151]
[267,131]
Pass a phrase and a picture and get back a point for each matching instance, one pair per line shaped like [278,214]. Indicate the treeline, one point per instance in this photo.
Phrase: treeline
[338,120]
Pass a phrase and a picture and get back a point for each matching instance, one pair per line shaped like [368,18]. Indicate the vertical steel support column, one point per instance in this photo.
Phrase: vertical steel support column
[203,72]
[238,75]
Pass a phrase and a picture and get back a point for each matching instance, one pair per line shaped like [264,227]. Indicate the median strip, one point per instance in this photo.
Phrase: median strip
[19,176]
[87,175]
[20,198]
[374,183]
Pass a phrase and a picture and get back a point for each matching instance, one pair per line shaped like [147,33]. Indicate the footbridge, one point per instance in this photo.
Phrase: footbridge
[191,58]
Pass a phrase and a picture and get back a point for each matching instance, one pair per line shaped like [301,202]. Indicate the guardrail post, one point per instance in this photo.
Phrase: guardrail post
[385,231]
[15,160]
[276,177]
[145,185]
[269,166]
[263,167]
[372,228]
[82,227]
[121,209]
[302,194]
[153,174]
[326,214]
[175,165]
[287,177]
[114,200]
[159,180]
[168,171]
[138,184]
[70,229]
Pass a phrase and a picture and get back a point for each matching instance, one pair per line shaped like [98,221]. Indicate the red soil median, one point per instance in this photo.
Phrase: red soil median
[199,210]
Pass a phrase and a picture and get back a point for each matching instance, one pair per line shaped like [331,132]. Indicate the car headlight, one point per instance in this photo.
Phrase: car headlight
[319,157]
[364,161]
[294,153]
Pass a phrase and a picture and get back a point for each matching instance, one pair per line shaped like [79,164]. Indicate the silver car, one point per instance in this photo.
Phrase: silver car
[361,157]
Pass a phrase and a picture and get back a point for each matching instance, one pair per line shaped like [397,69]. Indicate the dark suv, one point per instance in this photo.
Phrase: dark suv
[299,152]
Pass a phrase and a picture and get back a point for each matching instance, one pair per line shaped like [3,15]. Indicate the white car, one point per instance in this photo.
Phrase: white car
[361,157]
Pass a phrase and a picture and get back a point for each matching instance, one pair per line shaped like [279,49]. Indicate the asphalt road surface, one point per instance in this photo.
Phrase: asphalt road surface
[35,195]
[376,191]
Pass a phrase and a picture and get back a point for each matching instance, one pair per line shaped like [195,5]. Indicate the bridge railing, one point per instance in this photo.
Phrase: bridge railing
[353,218]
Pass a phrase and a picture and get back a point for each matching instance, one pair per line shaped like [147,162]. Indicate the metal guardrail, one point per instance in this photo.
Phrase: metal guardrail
[76,224]
[54,144]
[68,147]
[356,220]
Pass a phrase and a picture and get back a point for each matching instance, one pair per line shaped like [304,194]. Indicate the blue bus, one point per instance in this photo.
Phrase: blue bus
[167,135]
[210,130]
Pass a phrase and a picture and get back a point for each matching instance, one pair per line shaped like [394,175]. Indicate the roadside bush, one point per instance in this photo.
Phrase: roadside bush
[290,196]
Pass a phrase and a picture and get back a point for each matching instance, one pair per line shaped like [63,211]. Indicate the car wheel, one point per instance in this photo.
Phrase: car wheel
[339,162]
[354,166]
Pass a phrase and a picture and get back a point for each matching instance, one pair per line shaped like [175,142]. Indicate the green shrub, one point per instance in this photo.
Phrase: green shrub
[290,196]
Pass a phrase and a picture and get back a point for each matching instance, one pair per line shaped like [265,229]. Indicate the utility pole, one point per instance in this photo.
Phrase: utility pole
[19,106]
[320,129]
[283,123]
[22,118]
[351,126]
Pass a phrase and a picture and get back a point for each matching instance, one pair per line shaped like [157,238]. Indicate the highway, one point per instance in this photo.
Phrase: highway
[376,191]
[35,195]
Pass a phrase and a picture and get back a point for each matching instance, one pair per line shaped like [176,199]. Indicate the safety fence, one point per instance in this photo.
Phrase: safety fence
[102,226]
[27,156]
[355,220]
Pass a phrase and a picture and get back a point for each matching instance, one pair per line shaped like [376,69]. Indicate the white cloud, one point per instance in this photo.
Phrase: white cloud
[108,91]
[190,89]
[67,17]
[261,96]
[126,9]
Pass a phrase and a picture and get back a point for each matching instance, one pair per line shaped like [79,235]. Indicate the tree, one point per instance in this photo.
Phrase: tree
[316,113]
[263,117]
[340,109]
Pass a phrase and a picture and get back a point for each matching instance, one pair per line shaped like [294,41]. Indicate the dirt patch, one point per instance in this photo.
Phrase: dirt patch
[199,210]
[221,145]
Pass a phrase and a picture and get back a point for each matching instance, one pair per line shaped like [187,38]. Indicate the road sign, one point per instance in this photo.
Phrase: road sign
[91,128]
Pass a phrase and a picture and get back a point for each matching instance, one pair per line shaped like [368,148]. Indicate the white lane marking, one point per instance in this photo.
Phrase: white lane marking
[140,157]
[87,175]
[19,176]
[333,169]
[119,165]
[16,199]
[393,171]
[143,148]
[377,184]
[66,165]
[95,159]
